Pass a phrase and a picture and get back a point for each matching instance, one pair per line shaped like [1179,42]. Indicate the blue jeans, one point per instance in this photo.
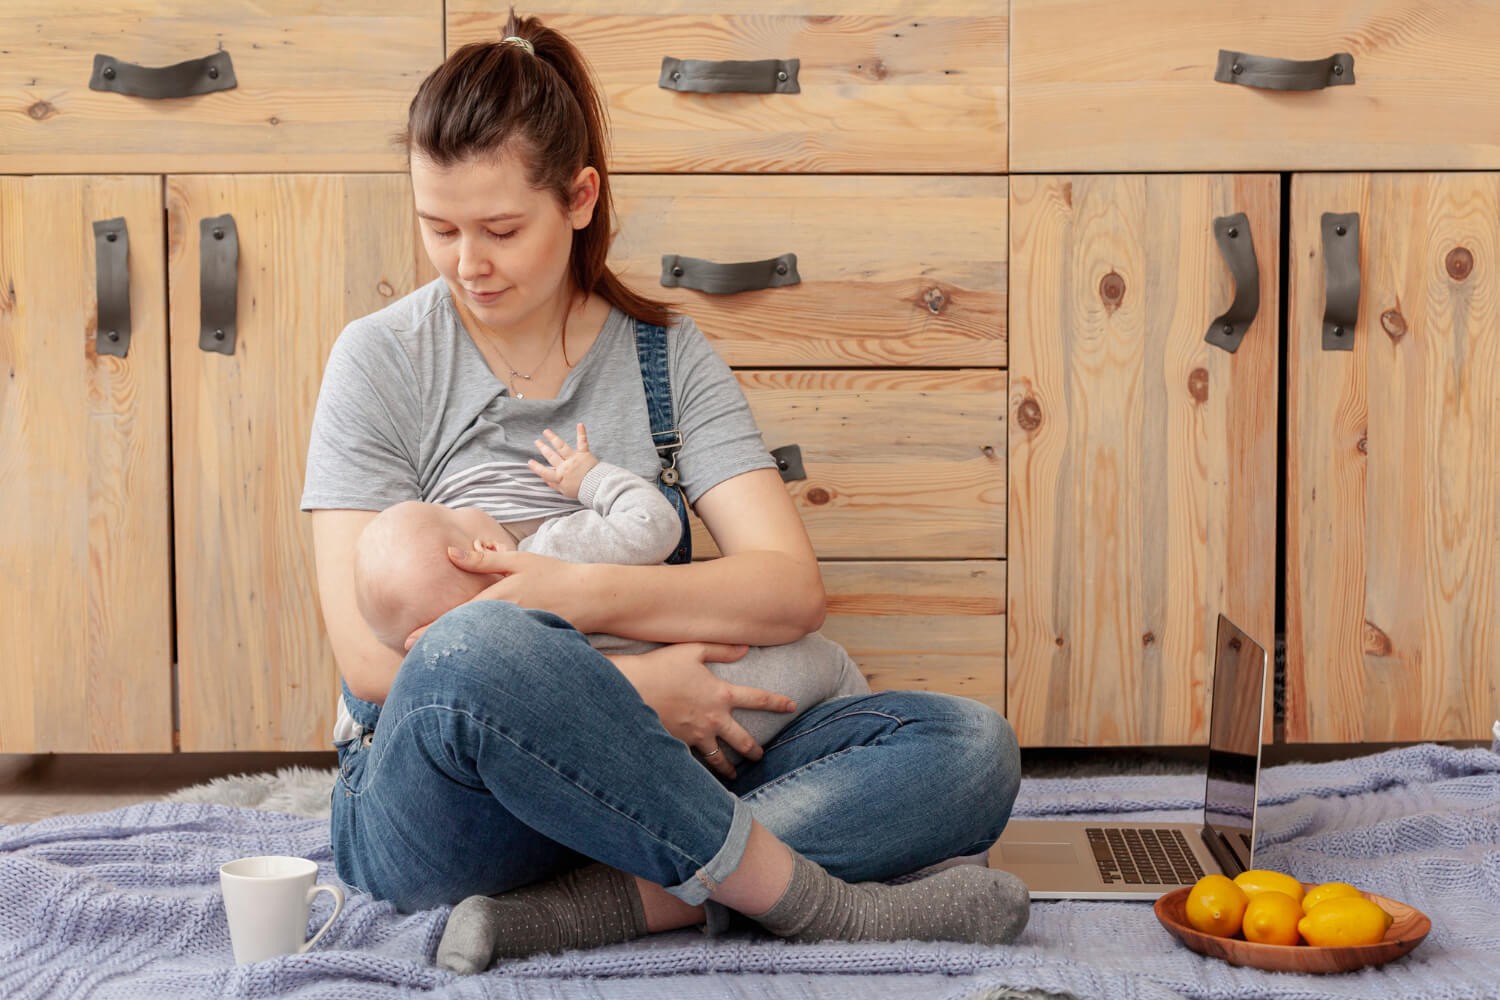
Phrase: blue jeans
[509,750]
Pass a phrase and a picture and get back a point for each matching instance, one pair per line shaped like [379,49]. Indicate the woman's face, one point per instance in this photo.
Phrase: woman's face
[502,246]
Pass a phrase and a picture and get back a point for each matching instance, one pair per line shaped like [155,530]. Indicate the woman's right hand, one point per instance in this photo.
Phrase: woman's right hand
[693,704]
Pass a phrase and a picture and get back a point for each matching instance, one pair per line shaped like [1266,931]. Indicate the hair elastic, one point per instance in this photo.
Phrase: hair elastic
[518,40]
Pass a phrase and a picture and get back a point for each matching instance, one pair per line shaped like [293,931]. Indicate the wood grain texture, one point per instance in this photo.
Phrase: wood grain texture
[255,669]
[1142,461]
[1393,517]
[885,88]
[900,464]
[895,271]
[320,86]
[1136,91]
[85,602]
[922,625]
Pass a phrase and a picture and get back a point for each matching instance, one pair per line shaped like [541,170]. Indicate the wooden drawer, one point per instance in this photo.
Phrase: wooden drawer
[894,271]
[885,87]
[934,626]
[900,464]
[1136,91]
[318,86]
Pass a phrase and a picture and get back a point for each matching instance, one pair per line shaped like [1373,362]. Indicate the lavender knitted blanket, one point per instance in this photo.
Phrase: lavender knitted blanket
[126,904]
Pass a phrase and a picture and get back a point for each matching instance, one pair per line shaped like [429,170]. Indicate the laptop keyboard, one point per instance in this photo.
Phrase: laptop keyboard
[1143,857]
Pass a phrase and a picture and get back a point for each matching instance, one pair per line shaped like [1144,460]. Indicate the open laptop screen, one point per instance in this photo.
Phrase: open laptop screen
[1234,739]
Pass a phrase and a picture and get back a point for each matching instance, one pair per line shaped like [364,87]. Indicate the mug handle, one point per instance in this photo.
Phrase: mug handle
[338,906]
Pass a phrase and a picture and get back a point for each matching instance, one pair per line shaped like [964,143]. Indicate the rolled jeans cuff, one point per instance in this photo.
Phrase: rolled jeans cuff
[705,880]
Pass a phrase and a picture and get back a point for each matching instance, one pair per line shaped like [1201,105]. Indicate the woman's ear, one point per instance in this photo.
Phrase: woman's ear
[585,197]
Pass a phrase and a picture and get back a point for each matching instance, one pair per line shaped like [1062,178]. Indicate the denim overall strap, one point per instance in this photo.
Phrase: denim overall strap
[365,712]
[651,349]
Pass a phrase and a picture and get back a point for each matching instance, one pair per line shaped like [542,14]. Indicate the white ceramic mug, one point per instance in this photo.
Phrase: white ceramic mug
[267,900]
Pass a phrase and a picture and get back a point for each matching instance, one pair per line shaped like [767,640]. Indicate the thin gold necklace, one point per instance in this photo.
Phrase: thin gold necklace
[515,373]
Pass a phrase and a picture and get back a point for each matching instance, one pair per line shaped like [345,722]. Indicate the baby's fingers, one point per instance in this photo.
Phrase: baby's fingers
[547,452]
[583,438]
[563,448]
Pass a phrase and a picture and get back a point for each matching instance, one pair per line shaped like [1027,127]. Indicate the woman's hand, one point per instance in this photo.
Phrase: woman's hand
[693,704]
[526,580]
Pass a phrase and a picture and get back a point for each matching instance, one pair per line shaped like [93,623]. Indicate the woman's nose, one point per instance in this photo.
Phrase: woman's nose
[472,261]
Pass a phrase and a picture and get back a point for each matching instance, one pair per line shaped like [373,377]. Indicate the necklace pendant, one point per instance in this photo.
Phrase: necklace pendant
[520,395]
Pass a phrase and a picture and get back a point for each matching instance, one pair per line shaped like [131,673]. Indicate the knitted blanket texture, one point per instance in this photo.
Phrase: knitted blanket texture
[126,904]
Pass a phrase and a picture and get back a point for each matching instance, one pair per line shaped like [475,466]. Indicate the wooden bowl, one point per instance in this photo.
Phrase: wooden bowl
[1407,930]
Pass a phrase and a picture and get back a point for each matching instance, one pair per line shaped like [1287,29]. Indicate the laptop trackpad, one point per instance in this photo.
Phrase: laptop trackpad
[1038,854]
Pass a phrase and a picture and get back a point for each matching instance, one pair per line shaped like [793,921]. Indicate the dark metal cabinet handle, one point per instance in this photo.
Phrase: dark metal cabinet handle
[788,459]
[185,79]
[218,283]
[1269,73]
[730,76]
[1232,233]
[727,279]
[112,287]
[1341,279]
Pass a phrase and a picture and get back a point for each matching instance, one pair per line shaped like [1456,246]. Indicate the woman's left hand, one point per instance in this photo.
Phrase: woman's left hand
[527,581]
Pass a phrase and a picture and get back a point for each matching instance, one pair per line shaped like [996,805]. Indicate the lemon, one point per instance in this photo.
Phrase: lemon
[1326,891]
[1215,905]
[1271,917]
[1258,880]
[1344,922]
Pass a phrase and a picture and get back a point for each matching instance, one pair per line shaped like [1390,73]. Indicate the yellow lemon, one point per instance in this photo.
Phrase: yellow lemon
[1271,917]
[1328,890]
[1258,880]
[1215,905]
[1344,922]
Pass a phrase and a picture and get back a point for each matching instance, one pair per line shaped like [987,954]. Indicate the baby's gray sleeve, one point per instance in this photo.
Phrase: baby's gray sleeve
[627,521]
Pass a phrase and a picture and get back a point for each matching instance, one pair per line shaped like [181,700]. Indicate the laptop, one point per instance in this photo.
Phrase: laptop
[1084,859]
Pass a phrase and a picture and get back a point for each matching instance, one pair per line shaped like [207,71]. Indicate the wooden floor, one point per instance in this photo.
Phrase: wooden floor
[34,787]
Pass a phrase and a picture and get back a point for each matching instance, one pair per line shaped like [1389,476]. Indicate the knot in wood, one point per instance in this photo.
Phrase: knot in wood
[1197,384]
[1112,289]
[1460,263]
[41,111]
[1393,323]
[385,289]
[1029,414]
[934,299]
[818,496]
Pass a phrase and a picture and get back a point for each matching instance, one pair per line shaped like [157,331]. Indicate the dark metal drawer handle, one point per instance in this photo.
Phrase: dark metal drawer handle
[112,287]
[1232,233]
[726,279]
[218,283]
[196,76]
[730,76]
[788,459]
[1269,73]
[1341,279]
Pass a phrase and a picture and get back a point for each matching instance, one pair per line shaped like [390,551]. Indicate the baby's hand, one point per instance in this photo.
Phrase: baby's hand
[568,465]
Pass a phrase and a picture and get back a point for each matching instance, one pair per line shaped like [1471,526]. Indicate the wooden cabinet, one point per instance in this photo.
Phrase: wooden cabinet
[100,533]
[1393,463]
[85,504]
[1176,85]
[1142,458]
[90,86]
[861,88]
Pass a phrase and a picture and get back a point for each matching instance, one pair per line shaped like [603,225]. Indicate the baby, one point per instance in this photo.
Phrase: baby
[404,579]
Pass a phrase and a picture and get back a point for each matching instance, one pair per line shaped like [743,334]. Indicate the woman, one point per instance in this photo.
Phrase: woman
[503,752]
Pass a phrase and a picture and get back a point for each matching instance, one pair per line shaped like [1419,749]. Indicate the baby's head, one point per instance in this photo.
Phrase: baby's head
[403,578]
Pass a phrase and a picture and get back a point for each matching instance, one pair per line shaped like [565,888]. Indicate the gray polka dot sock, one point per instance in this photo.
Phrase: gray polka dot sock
[591,906]
[966,903]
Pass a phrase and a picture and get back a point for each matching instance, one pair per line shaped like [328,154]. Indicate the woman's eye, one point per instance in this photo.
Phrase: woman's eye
[501,236]
[444,234]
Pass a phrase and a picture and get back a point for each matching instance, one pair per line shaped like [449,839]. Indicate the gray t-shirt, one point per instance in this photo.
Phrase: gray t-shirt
[409,410]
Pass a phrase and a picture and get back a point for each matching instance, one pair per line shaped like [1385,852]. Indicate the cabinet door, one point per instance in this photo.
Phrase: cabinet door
[85,564]
[315,252]
[1393,492]
[1142,459]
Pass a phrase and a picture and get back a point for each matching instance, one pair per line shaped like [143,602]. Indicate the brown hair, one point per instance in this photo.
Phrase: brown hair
[542,104]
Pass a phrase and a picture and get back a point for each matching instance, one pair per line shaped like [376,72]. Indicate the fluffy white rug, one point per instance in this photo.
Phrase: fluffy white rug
[301,791]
